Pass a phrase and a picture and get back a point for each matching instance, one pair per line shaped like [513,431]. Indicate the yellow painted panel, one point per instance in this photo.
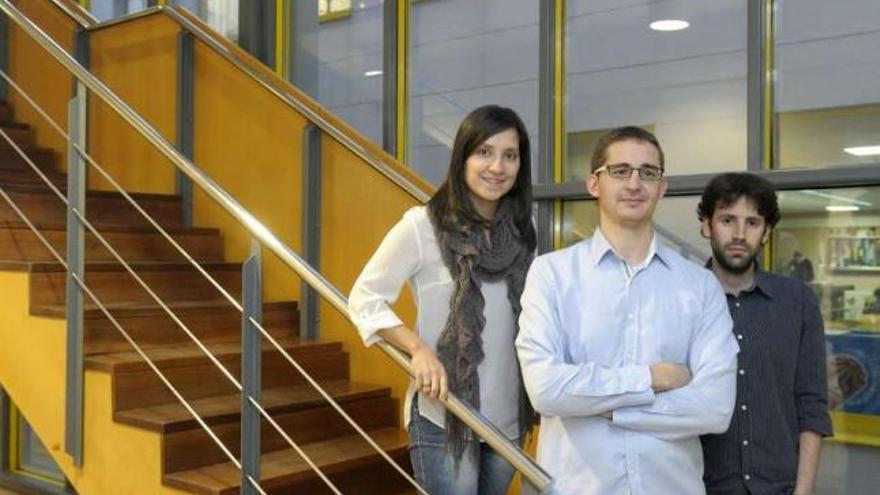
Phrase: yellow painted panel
[138,61]
[250,144]
[118,459]
[37,72]
[359,207]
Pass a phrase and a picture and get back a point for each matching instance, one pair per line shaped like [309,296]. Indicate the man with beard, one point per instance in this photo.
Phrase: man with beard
[781,414]
[625,347]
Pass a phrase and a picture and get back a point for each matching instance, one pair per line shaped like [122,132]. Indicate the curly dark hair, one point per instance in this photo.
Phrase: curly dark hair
[725,189]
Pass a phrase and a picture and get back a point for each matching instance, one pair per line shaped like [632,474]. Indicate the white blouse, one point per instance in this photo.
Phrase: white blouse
[409,253]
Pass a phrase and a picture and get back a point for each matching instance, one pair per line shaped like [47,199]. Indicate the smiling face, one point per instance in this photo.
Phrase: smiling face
[737,233]
[491,170]
[627,202]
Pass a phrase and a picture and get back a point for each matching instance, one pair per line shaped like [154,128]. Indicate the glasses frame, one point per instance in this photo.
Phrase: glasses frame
[631,169]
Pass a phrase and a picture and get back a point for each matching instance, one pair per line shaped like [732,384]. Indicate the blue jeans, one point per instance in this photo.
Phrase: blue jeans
[433,466]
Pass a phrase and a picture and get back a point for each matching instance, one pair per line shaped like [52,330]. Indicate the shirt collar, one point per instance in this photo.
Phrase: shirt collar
[600,247]
[762,282]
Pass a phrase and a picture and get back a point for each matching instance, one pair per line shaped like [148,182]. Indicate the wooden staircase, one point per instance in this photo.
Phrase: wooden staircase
[191,462]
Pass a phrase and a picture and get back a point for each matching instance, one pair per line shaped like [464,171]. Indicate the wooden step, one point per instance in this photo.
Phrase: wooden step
[111,283]
[193,448]
[135,385]
[19,243]
[349,461]
[168,418]
[10,159]
[40,204]
[151,327]
[19,176]
[21,134]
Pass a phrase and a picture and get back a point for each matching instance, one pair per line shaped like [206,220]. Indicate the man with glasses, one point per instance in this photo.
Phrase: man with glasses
[626,349]
[781,413]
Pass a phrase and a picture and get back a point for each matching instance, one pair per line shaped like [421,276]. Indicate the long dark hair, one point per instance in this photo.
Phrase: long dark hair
[452,205]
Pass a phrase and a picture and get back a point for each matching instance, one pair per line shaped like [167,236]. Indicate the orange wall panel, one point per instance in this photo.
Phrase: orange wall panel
[138,61]
[249,142]
[37,72]
[359,206]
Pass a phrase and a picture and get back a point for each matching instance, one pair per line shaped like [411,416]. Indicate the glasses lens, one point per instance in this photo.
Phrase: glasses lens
[620,171]
[650,173]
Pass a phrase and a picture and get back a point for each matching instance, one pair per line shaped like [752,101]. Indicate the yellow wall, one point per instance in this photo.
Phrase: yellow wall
[249,143]
[118,459]
[38,73]
[138,61]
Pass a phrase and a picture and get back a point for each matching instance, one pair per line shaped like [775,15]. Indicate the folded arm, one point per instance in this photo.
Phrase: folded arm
[555,386]
[705,405]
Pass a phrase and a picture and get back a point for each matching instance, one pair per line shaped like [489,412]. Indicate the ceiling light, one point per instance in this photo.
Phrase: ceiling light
[863,150]
[372,73]
[839,208]
[669,25]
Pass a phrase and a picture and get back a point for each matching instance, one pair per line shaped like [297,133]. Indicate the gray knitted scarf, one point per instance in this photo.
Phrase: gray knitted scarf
[472,257]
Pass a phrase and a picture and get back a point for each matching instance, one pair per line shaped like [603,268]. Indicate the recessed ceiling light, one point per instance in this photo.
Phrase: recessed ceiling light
[863,150]
[669,25]
[372,73]
[839,208]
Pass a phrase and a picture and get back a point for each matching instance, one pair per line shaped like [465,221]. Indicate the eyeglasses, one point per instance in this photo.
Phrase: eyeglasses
[622,171]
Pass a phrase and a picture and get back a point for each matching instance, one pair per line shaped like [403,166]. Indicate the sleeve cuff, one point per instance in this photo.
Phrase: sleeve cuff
[367,327]
[820,424]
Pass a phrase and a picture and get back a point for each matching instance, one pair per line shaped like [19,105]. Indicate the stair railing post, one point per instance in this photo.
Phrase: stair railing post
[76,189]
[252,307]
[185,118]
[311,228]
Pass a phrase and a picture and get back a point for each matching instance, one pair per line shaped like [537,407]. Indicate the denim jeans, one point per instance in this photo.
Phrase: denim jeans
[433,466]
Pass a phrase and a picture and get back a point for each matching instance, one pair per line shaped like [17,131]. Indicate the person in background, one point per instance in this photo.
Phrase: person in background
[800,267]
[465,256]
[626,348]
[781,414]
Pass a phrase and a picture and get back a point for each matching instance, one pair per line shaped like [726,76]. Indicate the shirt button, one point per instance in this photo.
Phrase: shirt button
[739,336]
[745,443]
[746,477]
[631,317]
[744,407]
[736,304]
[742,372]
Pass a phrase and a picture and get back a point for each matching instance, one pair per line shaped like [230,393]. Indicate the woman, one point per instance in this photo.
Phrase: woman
[465,256]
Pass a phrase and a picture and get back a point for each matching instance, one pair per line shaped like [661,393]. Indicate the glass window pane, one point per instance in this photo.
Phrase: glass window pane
[221,15]
[464,54]
[338,60]
[827,96]
[843,248]
[104,10]
[687,86]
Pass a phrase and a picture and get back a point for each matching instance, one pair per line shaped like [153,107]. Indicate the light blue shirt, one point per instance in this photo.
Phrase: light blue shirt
[591,325]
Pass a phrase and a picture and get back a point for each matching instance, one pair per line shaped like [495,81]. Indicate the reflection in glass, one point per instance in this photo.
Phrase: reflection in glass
[464,54]
[337,60]
[686,86]
[827,96]
[830,238]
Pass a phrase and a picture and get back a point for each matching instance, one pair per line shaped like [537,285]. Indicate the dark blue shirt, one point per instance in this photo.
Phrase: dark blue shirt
[781,389]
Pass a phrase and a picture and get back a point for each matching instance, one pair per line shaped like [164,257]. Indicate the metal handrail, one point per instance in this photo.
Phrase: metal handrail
[473,419]
[82,17]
